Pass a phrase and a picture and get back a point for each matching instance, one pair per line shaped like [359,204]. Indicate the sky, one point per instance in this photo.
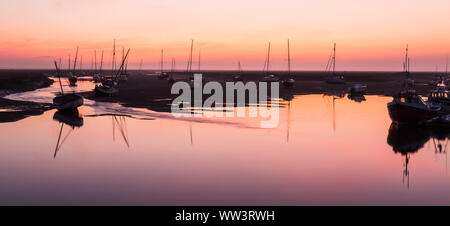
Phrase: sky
[370,35]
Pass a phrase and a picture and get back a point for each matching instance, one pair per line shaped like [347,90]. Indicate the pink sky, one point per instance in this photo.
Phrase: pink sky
[371,35]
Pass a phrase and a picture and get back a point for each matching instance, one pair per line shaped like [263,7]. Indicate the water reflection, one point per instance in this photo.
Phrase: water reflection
[70,118]
[408,140]
[120,123]
[303,161]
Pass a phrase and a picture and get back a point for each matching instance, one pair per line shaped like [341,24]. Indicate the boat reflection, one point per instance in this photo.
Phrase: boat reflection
[334,97]
[70,118]
[408,140]
[356,98]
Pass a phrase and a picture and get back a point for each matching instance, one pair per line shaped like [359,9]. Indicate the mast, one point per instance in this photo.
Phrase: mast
[101,63]
[75,63]
[123,64]
[334,58]
[189,67]
[199,53]
[162,61]
[406,64]
[268,59]
[126,66]
[81,63]
[140,65]
[68,68]
[289,59]
[239,67]
[59,77]
[114,57]
[446,67]
[173,64]
[95,61]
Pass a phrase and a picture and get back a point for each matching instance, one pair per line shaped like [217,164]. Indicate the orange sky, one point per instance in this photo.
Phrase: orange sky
[371,35]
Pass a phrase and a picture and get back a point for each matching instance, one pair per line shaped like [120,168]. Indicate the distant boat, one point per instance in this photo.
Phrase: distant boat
[171,79]
[162,74]
[72,80]
[110,86]
[66,102]
[238,77]
[97,76]
[357,89]
[440,96]
[269,77]
[72,76]
[334,78]
[356,98]
[289,82]
[409,108]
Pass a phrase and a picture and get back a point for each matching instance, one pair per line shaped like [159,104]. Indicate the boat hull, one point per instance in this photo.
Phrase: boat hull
[67,102]
[403,114]
[105,91]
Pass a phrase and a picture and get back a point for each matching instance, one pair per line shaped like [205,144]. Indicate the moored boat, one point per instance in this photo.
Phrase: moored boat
[409,108]
[66,102]
[334,78]
[441,97]
[269,77]
[357,89]
[289,82]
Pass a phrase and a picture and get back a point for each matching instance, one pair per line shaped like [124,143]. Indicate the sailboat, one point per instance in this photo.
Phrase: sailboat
[407,107]
[110,86]
[334,78]
[97,77]
[238,77]
[162,74]
[269,77]
[289,82]
[66,102]
[123,77]
[171,79]
[72,77]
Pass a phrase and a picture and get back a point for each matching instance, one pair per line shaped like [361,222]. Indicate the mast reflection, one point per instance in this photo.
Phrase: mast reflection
[71,118]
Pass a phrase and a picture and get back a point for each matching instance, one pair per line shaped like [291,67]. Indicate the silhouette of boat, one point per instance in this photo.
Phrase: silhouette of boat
[66,102]
[334,78]
[269,77]
[440,96]
[238,77]
[289,82]
[110,85]
[407,107]
[357,89]
[357,98]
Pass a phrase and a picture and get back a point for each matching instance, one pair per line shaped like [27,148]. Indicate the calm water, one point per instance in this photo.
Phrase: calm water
[325,151]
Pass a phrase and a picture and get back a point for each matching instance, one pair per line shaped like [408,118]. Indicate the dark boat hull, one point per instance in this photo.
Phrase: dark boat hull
[402,114]
[67,102]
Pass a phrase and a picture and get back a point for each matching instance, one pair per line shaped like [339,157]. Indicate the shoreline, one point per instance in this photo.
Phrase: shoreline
[145,90]
[18,81]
